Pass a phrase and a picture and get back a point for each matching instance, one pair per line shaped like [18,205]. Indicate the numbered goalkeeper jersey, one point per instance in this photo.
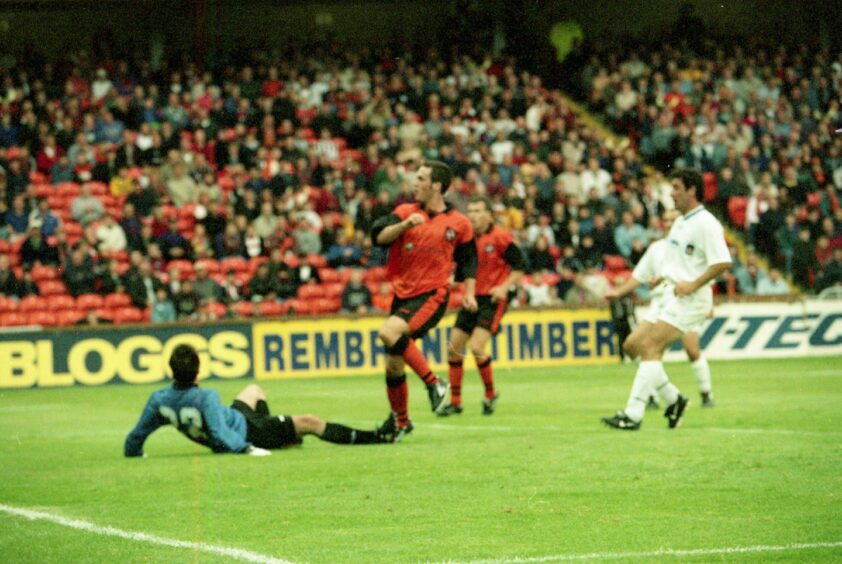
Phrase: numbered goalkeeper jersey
[197,414]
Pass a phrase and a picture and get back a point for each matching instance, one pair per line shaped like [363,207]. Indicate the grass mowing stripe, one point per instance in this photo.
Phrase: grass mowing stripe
[661,552]
[237,553]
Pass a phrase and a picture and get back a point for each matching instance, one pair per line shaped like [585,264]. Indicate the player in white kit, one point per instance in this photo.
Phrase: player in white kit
[649,271]
[695,255]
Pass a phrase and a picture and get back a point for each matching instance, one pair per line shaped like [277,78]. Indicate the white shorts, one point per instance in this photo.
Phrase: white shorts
[687,314]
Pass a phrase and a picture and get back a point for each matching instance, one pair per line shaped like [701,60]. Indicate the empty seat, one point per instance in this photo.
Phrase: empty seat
[117,300]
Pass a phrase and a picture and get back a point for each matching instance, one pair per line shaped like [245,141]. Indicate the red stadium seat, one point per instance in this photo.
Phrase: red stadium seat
[13,318]
[43,272]
[255,262]
[52,287]
[737,206]
[711,187]
[381,302]
[127,314]
[33,303]
[333,290]
[87,302]
[244,309]
[185,267]
[60,302]
[8,304]
[270,308]
[216,310]
[615,262]
[237,264]
[69,317]
[43,318]
[375,274]
[325,305]
[310,291]
[211,265]
[117,300]
[316,261]
[328,275]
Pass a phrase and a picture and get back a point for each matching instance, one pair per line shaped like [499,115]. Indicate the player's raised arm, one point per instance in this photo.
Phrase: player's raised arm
[149,421]
[387,229]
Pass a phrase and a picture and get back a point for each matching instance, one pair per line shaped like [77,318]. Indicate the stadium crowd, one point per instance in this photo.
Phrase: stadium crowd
[135,192]
[762,123]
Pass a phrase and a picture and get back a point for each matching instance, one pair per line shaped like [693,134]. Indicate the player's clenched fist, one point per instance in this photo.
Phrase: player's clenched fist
[415,219]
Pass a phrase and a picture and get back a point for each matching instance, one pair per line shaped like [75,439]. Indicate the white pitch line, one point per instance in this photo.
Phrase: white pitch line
[655,553]
[237,553]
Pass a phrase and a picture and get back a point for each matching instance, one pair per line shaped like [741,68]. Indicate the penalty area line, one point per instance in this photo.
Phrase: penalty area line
[237,553]
[655,553]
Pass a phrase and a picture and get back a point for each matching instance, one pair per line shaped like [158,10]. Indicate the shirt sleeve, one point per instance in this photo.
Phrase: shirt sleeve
[465,256]
[382,224]
[645,267]
[514,257]
[218,428]
[149,421]
[716,250]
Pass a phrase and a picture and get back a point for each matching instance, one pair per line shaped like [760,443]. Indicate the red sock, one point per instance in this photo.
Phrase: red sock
[398,393]
[484,367]
[456,372]
[415,359]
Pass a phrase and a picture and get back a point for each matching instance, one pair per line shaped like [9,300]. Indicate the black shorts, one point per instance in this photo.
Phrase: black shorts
[267,431]
[487,316]
[421,312]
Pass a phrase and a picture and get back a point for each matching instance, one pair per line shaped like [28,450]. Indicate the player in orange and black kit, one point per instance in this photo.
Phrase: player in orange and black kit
[500,266]
[424,240]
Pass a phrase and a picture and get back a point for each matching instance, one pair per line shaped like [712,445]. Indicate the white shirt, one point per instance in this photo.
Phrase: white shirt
[599,179]
[651,264]
[111,238]
[695,242]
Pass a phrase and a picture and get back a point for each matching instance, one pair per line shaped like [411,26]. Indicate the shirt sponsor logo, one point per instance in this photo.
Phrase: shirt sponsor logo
[489,248]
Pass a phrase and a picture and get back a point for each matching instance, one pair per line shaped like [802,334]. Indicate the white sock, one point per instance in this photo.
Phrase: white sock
[665,388]
[644,382]
[701,370]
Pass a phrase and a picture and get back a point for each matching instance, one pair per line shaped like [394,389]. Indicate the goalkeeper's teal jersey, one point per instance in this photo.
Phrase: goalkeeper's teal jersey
[198,415]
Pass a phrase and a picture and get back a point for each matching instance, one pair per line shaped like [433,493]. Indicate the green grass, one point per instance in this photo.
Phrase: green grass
[541,477]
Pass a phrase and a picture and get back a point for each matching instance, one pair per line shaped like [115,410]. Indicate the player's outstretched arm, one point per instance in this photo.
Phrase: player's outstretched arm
[388,228]
[149,421]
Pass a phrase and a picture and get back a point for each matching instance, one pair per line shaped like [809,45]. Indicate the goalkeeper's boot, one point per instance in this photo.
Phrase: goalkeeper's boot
[438,393]
[390,432]
[489,404]
[675,412]
[621,421]
[450,409]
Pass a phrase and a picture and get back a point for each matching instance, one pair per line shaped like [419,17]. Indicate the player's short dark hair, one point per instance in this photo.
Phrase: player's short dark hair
[440,172]
[184,362]
[481,199]
[691,177]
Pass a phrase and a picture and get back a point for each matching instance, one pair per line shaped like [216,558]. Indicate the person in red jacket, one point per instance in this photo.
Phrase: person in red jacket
[424,239]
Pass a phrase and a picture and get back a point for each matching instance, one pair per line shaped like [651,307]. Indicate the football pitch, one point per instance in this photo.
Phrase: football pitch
[758,478]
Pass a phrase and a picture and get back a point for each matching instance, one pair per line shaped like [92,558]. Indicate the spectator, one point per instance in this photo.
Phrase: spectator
[86,208]
[35,250]
[831,274]
[143,287]
[42,215]
[772,285]
[306,239]
[28,287]
[343,253]
[110,235]
[356,297]
[627,232]
[79,276]
[9,285]
[207,289]
[231,289]
[187,302]
[17,218]
[181,187]
[539,256]
[261,286]
[163,309]
[229,243]
[172,243]
[110,281]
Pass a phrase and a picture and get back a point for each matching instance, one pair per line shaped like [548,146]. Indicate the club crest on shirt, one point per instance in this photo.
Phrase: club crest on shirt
[489,248]
[689,249]
[449,234]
